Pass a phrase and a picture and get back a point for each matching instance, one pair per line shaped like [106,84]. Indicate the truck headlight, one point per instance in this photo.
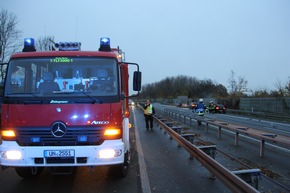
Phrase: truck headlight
[13,155]
[110,153]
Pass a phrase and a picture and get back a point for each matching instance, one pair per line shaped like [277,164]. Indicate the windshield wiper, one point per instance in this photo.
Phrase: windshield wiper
[26,101]
[22,93]
[91,97]
[33,102]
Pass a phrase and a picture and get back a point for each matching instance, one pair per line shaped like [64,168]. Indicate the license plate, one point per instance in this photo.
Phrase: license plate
[59,153]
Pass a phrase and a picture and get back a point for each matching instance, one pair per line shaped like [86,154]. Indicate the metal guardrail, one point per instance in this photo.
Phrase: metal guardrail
[237,129]
[259,114]
[228,178]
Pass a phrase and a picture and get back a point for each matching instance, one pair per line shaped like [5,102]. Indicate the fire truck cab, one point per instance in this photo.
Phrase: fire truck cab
[66,108]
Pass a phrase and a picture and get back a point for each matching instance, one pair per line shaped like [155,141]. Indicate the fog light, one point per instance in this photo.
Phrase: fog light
[118,152]
[13,155]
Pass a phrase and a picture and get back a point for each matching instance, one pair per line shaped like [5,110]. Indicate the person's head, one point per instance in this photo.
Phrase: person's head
[200,100]
[147,102]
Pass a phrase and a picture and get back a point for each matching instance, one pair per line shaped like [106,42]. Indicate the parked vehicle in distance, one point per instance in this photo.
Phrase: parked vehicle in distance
[193,105]
[131,103]
[220,108]
[182,105]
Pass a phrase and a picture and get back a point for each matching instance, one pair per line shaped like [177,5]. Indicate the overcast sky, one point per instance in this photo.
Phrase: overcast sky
[205,39]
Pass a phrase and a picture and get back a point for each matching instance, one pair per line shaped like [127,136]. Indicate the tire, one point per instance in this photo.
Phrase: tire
[29,172]
[122,169]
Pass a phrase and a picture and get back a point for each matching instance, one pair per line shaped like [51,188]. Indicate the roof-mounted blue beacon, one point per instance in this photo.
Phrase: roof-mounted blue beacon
[105,44]
[29,45]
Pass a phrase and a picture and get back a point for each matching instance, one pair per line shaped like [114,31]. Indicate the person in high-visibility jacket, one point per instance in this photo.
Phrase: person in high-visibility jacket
[149,111]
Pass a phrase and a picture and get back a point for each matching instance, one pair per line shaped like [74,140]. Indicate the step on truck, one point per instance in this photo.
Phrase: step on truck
[66,108]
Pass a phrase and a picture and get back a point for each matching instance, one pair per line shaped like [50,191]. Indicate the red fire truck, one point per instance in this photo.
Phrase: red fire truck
[66,108]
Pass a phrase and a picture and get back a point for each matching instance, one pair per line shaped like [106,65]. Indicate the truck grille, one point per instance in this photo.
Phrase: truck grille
[74,136]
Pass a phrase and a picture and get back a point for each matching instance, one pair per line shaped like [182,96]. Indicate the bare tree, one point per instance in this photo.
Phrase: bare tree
[237,85]
[282,93]
[45,43]
[171,87]
[232,82]
[9,36]
[280,88]
[283,89]
[287,87]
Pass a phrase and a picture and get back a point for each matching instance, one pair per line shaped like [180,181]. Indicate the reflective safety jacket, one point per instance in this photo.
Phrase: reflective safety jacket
[148,110]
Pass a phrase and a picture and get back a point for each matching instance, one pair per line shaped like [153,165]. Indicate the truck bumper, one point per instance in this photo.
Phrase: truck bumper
[109,153]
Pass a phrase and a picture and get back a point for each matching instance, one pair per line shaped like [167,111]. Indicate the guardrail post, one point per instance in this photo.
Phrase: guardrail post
[164,112]
[219,132]
[262,147]
[250,176]
[177,129]
[236,138]
[211,151]
[189,137]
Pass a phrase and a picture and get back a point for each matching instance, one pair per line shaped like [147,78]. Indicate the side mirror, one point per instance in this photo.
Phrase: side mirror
[137,81]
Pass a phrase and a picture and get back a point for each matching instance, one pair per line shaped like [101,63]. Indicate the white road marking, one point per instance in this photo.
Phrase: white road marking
[142,166]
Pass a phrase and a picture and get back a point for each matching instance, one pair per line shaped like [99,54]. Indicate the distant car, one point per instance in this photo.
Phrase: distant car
[193,105]
[182,105]
[131,103]
[220,108]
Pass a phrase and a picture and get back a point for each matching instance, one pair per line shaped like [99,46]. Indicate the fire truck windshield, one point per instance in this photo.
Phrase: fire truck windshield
[54,76]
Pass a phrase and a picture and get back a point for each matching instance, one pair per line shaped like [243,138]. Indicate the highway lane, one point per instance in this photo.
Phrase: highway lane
[282,128]
[266,125]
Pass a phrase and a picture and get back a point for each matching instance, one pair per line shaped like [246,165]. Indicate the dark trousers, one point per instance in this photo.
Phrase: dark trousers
[149,120]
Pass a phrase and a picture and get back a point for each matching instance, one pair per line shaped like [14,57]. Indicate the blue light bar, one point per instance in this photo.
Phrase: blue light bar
[29,45]
[29,42]
[105,41]
[105,44]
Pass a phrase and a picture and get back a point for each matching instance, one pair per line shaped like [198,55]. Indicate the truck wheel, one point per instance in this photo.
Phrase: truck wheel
[28,172]
[123,168]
